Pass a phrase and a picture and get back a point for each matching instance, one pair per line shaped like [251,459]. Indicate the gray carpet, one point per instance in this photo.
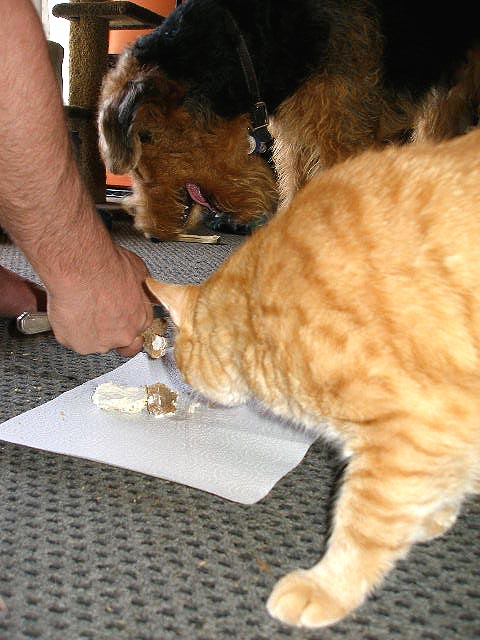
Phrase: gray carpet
[90,551]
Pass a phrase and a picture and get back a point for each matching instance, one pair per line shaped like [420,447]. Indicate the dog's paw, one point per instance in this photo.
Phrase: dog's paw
[298,599]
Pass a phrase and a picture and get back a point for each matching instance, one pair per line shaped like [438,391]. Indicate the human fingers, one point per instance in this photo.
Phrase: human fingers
[132,349]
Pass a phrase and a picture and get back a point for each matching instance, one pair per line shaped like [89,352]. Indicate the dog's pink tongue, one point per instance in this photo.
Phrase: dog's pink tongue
[197,196]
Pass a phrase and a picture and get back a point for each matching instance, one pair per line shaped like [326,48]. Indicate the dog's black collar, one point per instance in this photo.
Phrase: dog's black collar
[258,114]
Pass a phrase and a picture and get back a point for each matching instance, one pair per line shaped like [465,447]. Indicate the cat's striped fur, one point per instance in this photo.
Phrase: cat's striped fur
[361,302]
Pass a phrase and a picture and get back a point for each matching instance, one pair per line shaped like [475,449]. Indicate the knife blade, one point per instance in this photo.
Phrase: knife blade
[32,322]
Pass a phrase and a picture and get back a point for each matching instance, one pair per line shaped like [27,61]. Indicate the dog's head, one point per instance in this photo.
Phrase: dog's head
[167,137]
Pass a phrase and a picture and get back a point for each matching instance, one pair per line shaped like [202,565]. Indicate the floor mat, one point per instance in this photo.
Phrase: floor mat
[90,551]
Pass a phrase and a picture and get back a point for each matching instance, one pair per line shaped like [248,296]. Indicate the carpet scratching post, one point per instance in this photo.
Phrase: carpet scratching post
[90,23]
[88,63]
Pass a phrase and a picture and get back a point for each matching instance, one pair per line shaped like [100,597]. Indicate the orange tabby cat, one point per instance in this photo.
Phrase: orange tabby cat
[361,303]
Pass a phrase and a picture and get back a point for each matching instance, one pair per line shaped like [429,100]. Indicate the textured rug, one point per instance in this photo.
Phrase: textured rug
[90,551]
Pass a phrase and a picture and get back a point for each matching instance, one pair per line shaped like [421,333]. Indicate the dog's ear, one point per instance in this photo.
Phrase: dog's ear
[116,114]
[119,144]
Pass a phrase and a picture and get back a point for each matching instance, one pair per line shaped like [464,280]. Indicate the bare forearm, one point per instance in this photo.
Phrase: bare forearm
[44,205]
[96,299]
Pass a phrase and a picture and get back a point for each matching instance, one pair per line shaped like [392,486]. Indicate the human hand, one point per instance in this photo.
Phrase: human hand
[109,311]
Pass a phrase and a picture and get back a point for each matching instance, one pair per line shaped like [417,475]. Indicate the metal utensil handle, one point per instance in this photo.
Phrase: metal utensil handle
[30,322]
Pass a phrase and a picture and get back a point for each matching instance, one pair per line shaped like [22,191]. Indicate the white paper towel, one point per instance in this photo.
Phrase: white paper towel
[235,453]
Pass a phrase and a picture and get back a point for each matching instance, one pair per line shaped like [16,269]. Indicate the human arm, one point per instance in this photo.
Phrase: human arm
[96,300]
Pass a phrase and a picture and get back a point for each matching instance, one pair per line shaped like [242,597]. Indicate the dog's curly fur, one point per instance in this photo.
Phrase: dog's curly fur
[338,76]
[147,130]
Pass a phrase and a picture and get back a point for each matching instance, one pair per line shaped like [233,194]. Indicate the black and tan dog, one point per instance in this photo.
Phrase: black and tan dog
[183,109]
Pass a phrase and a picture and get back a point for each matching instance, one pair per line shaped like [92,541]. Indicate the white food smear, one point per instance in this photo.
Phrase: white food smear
[113,397]
[193,407]
[159,343]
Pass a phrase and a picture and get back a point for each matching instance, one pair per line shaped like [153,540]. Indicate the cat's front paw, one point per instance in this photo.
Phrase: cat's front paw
[298,599]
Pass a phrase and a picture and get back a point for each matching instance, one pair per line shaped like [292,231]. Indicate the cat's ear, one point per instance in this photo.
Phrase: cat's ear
[178,299]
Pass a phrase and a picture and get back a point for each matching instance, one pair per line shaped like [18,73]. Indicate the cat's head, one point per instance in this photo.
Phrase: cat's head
[206,349]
